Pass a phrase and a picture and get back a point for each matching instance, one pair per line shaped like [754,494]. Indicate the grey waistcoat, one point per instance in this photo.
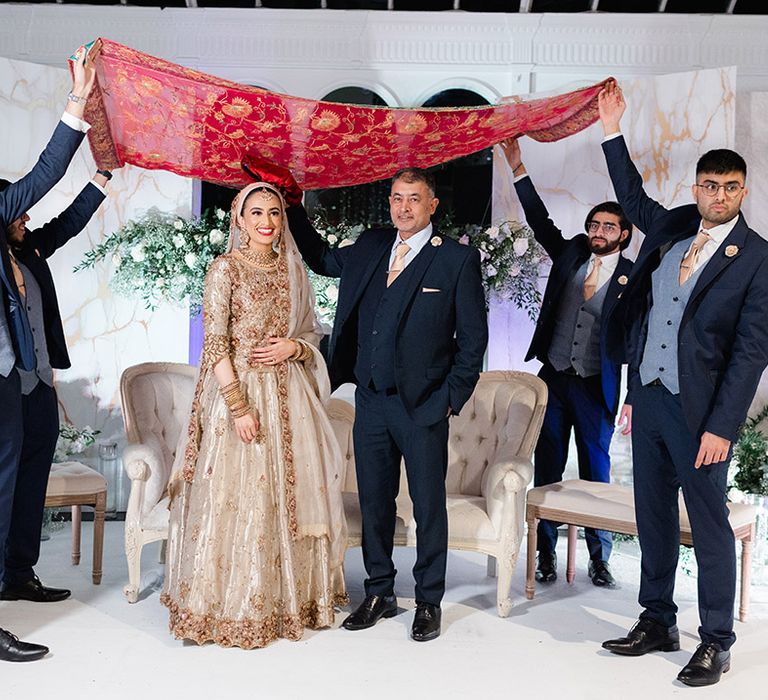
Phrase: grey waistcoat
[7,355]
[34,302]
[669,301]
[576,336]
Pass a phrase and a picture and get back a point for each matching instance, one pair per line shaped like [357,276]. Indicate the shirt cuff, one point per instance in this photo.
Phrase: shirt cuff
[99,187]
[75,123]
[612,136]
[520,177]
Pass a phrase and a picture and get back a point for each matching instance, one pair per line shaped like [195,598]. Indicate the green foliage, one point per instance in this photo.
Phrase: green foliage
[161,257]
[751,455]
[73,441]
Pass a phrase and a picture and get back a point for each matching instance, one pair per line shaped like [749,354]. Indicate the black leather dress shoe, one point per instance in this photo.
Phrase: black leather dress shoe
[33,590]
[600,573]
[370,611]
[706,666]
[12,649]
[546,567]
[646,636]
[426,622]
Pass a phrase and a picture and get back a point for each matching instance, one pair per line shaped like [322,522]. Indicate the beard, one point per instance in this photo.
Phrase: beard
[602,246]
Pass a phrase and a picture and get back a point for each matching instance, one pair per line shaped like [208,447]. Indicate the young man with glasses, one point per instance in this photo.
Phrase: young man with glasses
[588,275]
[692,323]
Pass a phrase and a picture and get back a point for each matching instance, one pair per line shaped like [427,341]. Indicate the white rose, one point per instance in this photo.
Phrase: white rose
[117,259]
[332,239]
[178,240]
[464,240]
[220,214]
[483,255]
[138,254]
[332,292]
[493,232]
[520,247]
[346,242]
[178,224]
[158,255]
[321,231]
[490,270]
[216,236]
[190,259]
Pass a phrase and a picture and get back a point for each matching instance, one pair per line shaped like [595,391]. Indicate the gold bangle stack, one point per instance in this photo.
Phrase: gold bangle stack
[235,399]
[302,352]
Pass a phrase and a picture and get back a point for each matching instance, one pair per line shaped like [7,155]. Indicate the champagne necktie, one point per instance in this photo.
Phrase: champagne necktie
[590,281]
[398,264]
[689,261]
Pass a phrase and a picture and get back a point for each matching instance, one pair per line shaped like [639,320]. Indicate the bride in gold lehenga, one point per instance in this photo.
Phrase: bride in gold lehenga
[257,530]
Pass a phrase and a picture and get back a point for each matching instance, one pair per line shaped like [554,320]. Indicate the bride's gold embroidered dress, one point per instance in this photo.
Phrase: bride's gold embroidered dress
[257,532]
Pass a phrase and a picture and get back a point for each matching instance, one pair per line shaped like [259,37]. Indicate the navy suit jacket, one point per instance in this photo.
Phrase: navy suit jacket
[441,337]
[14,201]
[568,255]
[39,245]
[722,344]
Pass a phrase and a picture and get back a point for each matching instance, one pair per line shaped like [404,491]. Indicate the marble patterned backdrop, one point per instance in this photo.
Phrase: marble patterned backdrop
[670,121]
[105,333]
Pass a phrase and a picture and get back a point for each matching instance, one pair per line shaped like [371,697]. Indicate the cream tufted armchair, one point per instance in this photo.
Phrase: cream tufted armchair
[156,398]
[489,468]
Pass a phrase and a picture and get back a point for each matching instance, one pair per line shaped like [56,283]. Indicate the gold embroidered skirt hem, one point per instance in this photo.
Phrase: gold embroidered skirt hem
[251,633]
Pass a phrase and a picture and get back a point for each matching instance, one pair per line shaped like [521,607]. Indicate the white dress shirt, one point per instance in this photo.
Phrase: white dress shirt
[74,123]
[416,242]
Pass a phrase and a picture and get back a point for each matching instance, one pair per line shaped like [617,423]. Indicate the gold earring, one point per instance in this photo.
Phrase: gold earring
[244,238]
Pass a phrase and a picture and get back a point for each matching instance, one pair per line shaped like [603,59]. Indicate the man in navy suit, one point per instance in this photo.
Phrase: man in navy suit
[17,338]
[587,277]
[28,251]
[694,317]
[410,331]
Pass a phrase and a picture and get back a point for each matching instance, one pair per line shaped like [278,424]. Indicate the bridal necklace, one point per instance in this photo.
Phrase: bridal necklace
[264,261]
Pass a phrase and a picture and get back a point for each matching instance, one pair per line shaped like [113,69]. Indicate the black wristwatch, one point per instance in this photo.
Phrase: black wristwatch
[105,173]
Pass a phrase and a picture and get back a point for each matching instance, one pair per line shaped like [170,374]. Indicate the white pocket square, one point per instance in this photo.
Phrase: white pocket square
[427,290]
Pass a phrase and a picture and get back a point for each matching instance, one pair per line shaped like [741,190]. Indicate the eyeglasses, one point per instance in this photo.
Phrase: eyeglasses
[710,189]
[607,226]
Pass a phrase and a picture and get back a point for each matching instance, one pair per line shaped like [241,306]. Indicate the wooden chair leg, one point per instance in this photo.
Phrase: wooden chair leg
[746,572]
[98,535]
[530,571]
[76,526]
[570,571]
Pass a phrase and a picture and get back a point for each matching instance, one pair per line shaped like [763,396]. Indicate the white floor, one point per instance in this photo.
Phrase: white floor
[102,647]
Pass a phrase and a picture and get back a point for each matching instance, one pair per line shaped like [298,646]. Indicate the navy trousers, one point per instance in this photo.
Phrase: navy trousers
[11,437]
[383,435]
[40,416]
[664,452]
[575,403]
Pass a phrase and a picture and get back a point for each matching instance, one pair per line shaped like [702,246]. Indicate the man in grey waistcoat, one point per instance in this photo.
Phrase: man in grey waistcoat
[28,307]
[693,324]
[587,277]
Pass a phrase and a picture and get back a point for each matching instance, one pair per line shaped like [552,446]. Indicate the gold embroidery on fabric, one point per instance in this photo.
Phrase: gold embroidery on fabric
[251,633]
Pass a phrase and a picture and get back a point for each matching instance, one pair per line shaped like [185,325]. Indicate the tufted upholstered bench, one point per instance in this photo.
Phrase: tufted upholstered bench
[611,507]
[74,484]
[490,446]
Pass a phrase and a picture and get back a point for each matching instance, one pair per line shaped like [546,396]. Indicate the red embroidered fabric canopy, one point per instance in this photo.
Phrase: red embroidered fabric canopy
[158,115]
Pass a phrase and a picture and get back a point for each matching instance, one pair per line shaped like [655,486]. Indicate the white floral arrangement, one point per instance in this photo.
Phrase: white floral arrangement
[162,257]
[73,441]
[510,260]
